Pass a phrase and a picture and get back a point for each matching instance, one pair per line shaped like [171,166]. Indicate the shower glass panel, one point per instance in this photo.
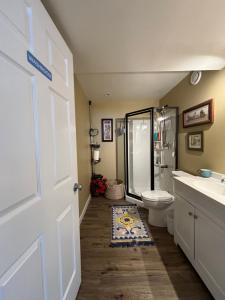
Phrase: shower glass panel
[139,146]
[165,147]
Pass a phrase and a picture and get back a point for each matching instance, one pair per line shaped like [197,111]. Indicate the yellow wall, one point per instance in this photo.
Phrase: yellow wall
[83,148]
[112,109]
[184,95]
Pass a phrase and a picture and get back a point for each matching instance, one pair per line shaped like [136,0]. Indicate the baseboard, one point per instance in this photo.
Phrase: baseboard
[85,208]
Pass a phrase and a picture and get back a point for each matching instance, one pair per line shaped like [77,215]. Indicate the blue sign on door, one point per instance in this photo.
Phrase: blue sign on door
[38,65]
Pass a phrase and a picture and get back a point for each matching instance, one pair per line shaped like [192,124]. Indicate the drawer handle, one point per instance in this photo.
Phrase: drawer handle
[190,213]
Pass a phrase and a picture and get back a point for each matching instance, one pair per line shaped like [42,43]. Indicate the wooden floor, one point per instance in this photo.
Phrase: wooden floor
[159,272]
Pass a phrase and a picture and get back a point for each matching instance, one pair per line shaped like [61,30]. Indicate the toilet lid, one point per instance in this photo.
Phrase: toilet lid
[157,195]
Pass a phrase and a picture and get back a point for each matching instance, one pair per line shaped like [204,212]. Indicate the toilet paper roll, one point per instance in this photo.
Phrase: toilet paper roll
[96,155]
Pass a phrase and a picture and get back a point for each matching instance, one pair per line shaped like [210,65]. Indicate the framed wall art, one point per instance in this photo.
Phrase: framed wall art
[199,114]
[195,141]
[107,130]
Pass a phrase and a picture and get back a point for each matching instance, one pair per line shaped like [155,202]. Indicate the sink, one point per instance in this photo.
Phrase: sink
[210,186]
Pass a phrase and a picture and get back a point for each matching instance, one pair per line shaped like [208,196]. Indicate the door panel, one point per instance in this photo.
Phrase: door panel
[60,127]
[14,27]
[17,157]
[30,287]
[57,60]
[184,226]
[66,249]
[19,227]
[17,17]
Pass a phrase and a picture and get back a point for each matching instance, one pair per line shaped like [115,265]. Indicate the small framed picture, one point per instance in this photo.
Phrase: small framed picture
[199,114]
[107,130]
[195,141]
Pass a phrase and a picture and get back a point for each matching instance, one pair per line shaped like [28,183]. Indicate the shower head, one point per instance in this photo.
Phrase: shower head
[162,109]
[120,131]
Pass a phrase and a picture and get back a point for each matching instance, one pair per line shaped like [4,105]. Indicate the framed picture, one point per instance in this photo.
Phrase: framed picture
[199,114]
[195,141]
[107,130]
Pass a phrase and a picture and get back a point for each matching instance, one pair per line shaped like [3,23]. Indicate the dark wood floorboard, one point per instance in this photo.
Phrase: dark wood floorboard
[159,272]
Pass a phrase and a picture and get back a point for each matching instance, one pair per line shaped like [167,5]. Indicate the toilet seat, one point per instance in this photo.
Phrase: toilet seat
[157,195]
[157,202]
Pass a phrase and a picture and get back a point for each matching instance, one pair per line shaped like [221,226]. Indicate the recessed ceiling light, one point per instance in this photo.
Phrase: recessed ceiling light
[107,94]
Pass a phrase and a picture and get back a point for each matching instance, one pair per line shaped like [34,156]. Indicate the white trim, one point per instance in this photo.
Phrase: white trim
[135,201]
[85,208]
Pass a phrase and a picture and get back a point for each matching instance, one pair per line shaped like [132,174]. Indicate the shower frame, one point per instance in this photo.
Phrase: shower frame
[149,110]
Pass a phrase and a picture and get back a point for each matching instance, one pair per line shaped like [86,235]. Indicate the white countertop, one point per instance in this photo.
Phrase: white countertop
[204,186]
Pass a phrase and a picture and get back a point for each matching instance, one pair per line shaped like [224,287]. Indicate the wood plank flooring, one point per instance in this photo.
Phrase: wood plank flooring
[159,272]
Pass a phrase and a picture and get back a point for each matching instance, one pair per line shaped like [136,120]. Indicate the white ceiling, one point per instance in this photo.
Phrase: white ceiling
[115,40]
[129,86]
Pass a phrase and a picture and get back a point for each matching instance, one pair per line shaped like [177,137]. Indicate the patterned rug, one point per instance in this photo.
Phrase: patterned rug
[128,227]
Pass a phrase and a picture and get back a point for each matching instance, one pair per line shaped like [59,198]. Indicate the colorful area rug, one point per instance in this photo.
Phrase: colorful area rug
[128,227]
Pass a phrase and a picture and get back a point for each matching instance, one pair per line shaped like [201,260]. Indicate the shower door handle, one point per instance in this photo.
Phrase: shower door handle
[161,166]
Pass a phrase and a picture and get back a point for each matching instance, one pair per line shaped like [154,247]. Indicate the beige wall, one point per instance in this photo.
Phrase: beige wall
[184,95]
[83,148]
[112,109]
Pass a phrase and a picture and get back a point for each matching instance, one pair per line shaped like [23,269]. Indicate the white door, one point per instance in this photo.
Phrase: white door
[39,222]
[210,254]
[184,226]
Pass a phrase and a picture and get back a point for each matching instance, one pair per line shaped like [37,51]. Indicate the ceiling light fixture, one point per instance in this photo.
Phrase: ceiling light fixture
[195,77]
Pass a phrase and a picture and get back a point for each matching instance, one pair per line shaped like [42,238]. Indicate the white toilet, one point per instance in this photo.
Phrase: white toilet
[157,202]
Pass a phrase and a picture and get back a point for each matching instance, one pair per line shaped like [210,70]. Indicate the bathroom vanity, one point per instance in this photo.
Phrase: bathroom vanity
[200,228]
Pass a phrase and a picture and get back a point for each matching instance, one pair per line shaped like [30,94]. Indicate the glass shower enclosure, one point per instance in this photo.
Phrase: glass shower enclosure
[151,149]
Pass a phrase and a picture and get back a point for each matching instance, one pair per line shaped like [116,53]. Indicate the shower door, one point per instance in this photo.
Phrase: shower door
[139,152]
[151,149]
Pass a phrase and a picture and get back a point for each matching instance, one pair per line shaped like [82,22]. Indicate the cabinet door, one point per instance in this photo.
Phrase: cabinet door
[184,226]
[210,254]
